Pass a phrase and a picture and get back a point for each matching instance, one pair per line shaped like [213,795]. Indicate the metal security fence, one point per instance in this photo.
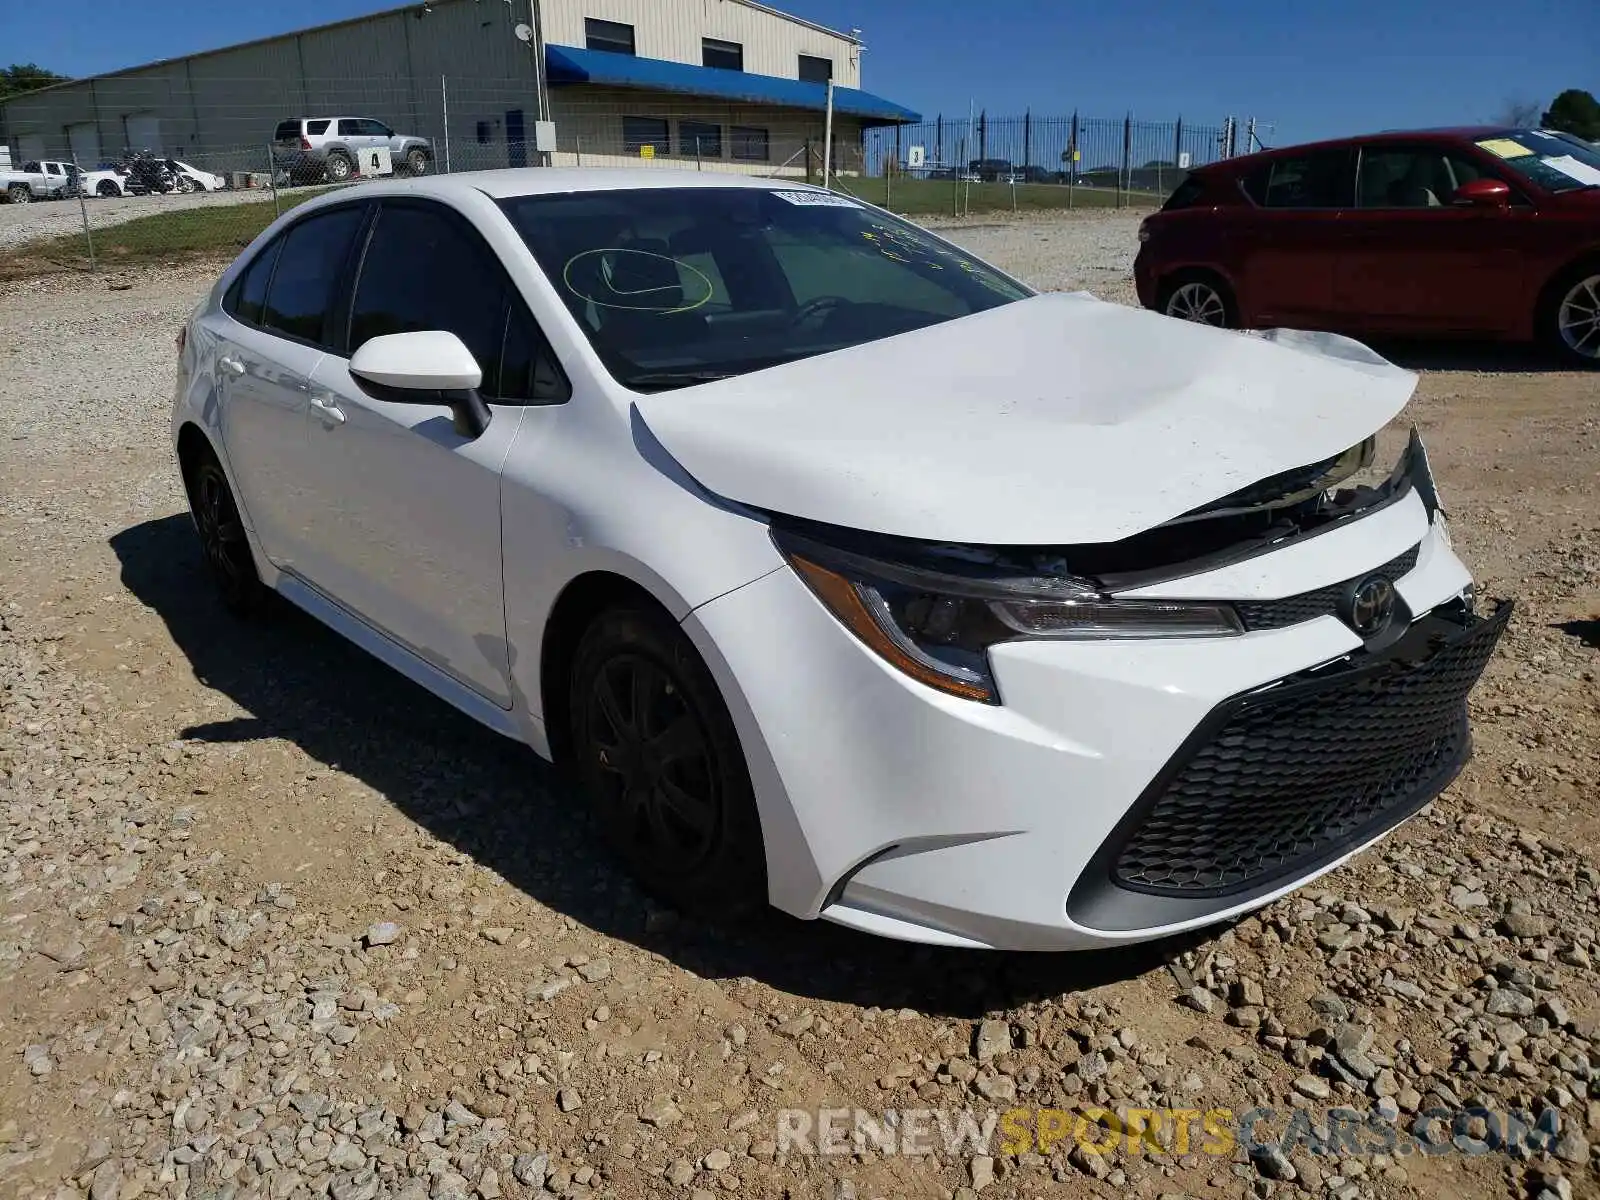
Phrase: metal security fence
[229,166]
[1040,161]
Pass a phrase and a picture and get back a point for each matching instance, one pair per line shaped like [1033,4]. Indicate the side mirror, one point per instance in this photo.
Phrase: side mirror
[427,367]
[1482,193]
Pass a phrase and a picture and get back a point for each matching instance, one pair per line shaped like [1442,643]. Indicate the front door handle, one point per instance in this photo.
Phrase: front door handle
[330,413]
[232,366]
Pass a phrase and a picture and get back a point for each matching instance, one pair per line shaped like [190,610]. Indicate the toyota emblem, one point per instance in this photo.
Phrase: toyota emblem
[1371,605]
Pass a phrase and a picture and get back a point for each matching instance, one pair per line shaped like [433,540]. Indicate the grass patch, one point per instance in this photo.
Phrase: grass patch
[925,197]
[214,231]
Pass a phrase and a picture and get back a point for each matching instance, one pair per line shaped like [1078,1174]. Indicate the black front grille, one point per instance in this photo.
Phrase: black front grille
[1281,780]
[1323,602]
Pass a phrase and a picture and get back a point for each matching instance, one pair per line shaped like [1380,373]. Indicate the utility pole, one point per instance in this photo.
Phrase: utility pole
[827,136]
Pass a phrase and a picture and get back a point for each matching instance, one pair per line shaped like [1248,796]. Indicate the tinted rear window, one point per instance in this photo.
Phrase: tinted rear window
[247,298]
[288,131]
[1322,179]
[1185,195]
[317,126]
[309,268]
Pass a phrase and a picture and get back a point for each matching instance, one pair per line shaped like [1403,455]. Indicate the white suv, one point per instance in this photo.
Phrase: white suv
[310,149]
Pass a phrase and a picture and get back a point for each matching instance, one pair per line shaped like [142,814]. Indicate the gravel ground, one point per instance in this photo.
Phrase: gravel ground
[275,924]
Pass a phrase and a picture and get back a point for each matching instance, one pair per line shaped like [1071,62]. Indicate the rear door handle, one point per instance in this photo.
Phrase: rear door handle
[330,413]
[232,366]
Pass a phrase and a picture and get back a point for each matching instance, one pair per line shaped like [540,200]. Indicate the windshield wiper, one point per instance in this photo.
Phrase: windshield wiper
[661,380]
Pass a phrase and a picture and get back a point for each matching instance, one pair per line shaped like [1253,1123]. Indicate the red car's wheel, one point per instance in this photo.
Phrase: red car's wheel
[1572,319]
[1199,297]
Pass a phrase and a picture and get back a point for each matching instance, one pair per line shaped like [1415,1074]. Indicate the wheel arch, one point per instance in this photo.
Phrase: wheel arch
[583,598]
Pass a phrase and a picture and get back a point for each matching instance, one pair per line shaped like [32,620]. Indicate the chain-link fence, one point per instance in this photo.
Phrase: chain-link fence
[200,166]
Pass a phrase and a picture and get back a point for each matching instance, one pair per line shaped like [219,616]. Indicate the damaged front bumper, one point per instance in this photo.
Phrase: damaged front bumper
[1099,803]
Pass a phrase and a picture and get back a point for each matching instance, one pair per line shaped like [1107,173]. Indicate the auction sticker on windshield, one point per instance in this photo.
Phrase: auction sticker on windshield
[822,199]
[1505,148]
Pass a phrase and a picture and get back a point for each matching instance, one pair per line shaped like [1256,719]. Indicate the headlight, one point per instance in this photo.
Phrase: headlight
[937,626]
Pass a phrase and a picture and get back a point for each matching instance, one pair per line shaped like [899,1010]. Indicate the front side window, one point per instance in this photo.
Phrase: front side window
[814,69]
[300,298]
[425,269]
[1411,176]
[726,56]
[639,132]
[675,285]
[1321,179]
[611,36]
[700,140]
[1555,162]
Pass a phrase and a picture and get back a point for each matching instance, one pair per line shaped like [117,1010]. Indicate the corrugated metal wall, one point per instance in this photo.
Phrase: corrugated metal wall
[220,109]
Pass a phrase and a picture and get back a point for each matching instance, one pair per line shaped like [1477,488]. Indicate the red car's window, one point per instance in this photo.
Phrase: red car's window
[1412,176]
[1320,179]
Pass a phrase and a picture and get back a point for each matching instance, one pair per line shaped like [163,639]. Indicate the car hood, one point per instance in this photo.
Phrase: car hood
[1055,419]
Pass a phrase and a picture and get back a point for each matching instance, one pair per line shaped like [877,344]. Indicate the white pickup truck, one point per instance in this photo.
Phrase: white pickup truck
[38,181]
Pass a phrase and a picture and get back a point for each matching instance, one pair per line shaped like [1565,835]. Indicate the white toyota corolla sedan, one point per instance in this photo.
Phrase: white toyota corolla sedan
[844,571]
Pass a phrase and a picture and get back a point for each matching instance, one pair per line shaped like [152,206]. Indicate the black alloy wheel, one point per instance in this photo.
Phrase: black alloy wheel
[223,540]
[656,750]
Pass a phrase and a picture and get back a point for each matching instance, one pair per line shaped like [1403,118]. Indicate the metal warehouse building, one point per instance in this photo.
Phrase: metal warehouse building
[722,84]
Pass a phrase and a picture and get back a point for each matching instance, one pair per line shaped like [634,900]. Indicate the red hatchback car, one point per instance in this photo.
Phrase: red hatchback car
[1490,233]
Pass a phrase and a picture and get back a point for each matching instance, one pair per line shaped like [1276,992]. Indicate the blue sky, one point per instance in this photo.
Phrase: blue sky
[1309,69]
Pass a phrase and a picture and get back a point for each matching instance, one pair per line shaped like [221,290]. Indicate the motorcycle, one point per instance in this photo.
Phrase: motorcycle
[148,174]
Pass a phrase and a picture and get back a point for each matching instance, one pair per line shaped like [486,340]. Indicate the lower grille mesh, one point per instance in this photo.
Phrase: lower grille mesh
[1305,770]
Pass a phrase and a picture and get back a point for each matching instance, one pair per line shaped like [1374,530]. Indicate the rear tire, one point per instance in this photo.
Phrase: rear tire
[223,540]
[339,168]
[1569,320]
[1198,296]
[105,188]
[655,748]
[18,193]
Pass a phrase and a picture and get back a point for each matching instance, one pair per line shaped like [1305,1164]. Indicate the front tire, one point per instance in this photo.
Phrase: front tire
[1571,321]
[416,162]
[185,184]
[223,540]
[655,748]
[1201,298]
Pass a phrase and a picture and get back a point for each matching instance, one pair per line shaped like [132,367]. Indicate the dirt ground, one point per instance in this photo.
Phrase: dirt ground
[274,922]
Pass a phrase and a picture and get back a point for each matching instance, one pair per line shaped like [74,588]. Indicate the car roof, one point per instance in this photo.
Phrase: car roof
[1450,133]
[539,181]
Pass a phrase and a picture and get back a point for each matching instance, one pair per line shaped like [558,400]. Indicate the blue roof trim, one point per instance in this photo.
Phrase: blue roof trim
[569,64]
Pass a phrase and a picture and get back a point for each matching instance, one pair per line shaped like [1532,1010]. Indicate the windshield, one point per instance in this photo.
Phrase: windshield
[675,286]
[1555,163]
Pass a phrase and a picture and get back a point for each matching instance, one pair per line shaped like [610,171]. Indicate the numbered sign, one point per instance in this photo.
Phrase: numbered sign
[377,160]
[916,156]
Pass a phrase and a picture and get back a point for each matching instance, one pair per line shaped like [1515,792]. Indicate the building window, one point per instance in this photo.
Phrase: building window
[726,56]
[611,36]
[485,133]
[814,69]
[639,132]
[697,139]
[748,143]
